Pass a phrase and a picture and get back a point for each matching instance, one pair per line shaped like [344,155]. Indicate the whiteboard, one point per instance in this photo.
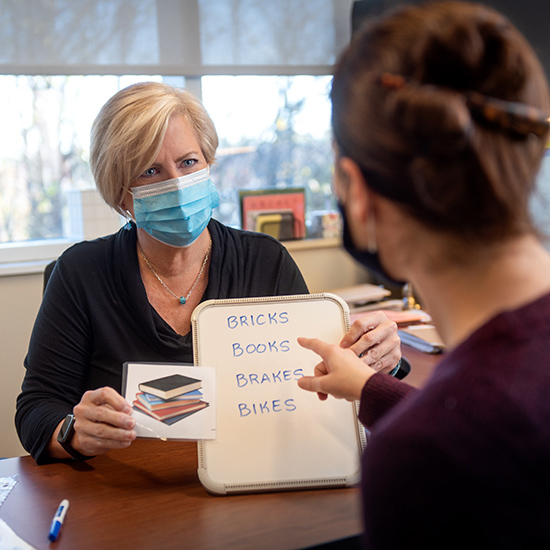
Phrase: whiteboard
[272,435]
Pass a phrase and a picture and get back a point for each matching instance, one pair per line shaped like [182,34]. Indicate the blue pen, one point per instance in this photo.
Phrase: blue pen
[58,519]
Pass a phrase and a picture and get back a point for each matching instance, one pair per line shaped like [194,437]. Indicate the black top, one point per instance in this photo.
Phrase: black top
[95,316]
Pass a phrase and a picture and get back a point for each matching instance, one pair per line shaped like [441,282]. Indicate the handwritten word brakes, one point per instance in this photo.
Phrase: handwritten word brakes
[267,407]
[275,377]
[271,347]
[277,318]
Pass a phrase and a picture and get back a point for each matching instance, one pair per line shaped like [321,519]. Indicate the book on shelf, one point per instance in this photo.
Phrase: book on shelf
[154,403]
[360,295]
[284,201]
[278,224]
[171,412]
[170,386]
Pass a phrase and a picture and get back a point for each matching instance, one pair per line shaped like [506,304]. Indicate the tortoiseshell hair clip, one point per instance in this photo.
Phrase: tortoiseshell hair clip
[512,116]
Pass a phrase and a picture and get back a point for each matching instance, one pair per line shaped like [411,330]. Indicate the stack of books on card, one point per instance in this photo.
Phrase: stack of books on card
[171,398]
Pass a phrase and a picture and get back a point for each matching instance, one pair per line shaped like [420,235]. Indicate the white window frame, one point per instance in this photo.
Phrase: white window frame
[31,256]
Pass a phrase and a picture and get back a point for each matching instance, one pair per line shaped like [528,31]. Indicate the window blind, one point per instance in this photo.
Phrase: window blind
[172,37]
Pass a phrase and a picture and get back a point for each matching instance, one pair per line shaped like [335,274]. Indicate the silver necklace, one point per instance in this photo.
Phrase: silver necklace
[181,299]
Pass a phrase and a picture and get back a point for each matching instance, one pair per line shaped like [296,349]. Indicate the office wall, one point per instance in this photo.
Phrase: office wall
[20,298]
[324,268]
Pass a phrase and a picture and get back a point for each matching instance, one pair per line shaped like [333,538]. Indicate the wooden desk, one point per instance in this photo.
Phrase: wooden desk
[149,497]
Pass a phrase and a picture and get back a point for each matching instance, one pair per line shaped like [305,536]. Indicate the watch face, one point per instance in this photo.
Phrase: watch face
[66,427]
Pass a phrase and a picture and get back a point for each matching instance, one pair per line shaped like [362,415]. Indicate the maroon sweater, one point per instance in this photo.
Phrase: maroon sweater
[466,461]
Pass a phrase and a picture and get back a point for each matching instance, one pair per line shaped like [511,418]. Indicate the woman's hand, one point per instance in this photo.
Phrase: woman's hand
[341,373]
[370,346]
[103,421]
[373,337]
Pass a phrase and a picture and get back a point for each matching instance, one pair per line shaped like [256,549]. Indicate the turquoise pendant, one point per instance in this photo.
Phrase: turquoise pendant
[182,300]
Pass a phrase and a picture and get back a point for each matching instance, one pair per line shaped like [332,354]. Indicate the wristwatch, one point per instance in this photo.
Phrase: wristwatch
[66,434]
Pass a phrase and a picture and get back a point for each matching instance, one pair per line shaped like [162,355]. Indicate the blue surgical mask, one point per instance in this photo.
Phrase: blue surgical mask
[176,211]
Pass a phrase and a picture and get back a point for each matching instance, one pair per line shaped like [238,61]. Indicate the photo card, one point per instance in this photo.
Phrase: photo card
[171,400]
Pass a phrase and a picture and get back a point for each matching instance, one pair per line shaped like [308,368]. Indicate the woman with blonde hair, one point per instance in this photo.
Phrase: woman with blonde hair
[440,120]
[130,296]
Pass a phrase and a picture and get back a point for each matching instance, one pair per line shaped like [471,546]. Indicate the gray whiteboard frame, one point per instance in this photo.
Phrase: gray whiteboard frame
[222,488]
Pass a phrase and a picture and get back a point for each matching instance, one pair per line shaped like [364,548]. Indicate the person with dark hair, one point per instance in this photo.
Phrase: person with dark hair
[440,120]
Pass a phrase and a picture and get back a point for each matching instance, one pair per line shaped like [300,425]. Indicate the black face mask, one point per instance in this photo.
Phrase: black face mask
[370,260]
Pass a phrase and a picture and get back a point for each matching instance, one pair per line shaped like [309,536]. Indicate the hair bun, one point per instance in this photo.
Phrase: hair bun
[435,121]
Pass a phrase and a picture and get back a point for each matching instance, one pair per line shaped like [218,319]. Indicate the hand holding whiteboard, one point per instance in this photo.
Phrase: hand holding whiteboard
[271,435]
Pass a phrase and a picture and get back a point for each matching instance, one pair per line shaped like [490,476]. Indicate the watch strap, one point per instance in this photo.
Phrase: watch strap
[64,438]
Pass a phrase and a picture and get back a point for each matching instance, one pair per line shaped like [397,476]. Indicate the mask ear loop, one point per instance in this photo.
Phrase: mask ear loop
[129,217]
[372,247]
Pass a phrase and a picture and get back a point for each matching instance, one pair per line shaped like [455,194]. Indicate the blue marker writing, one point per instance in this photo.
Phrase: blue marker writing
[58,519]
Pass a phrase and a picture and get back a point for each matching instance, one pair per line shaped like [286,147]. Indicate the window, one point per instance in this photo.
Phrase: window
[280,141]
[274,133]
[44,150]
[271,110]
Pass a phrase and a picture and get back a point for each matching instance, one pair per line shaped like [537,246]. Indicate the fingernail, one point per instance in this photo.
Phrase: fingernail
[130,423]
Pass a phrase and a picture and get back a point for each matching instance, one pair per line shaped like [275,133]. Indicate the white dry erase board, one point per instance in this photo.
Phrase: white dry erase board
[271,435]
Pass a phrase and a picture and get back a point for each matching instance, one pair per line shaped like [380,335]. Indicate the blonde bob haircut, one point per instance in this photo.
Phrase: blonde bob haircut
[128,132]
